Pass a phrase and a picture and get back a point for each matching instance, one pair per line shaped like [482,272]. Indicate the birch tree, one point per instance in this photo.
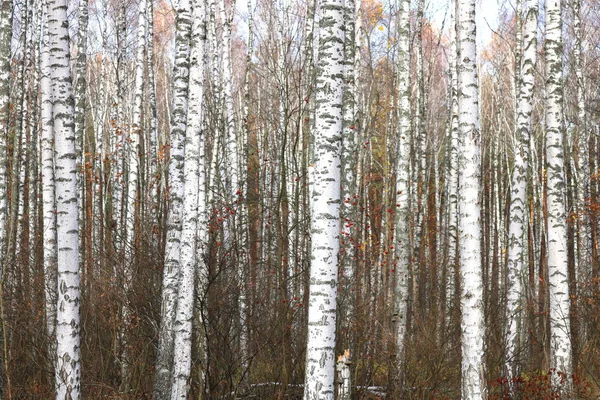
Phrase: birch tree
[453,172]
[583,233]
[48,193]
[172,268]
[472,323]
[230,132]
[153,164]
[349,159]
[68,362]
[402,244]
[515,300]
[182,361]
[80,95]
[134,140]
[558,284]
[325,206]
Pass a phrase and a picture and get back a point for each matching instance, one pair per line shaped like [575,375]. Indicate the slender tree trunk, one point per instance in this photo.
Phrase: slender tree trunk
[230,132]
[68,363]
[79,89]
[402,236]
[349,185]
[48,197]
[188,261]
[519,212]
[172,268]
[560,302]
[583,233]
[154,167]
[453,175]
[472,321]
[243,215]
[325,207]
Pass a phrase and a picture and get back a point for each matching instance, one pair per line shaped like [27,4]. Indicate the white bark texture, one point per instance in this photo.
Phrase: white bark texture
[453,172]
[518,204]
[48,193]
[344,376]
[230,132]
[472,323]
[182,360]
[242,212]
[325,206]
[175,196]
[133,144]
[558,277]
[583,234]
[402,243]
[68,362]
[349,159]
[80,94]
[153,163]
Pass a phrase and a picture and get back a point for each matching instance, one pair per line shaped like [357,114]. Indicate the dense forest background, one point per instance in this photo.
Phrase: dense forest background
[135,93]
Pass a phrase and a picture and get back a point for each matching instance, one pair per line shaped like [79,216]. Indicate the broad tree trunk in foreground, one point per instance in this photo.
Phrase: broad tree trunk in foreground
[472,323]
[68,362]
[558,284]
[171,271]
[325,206]
[182,360]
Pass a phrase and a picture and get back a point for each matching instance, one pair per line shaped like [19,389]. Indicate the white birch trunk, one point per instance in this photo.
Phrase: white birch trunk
[453,171]
[230,132]
[48,194]
[402,248]
[182,360]
[349,161]
[80,86]
[20,145]
[68,363]
[154,169]
[5,58]
[560,303]
[420,155]
[172,268]
[583,252]
[344,376]
[133,143]
[472,322]
[517,238]
[325,206]
[243,207]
